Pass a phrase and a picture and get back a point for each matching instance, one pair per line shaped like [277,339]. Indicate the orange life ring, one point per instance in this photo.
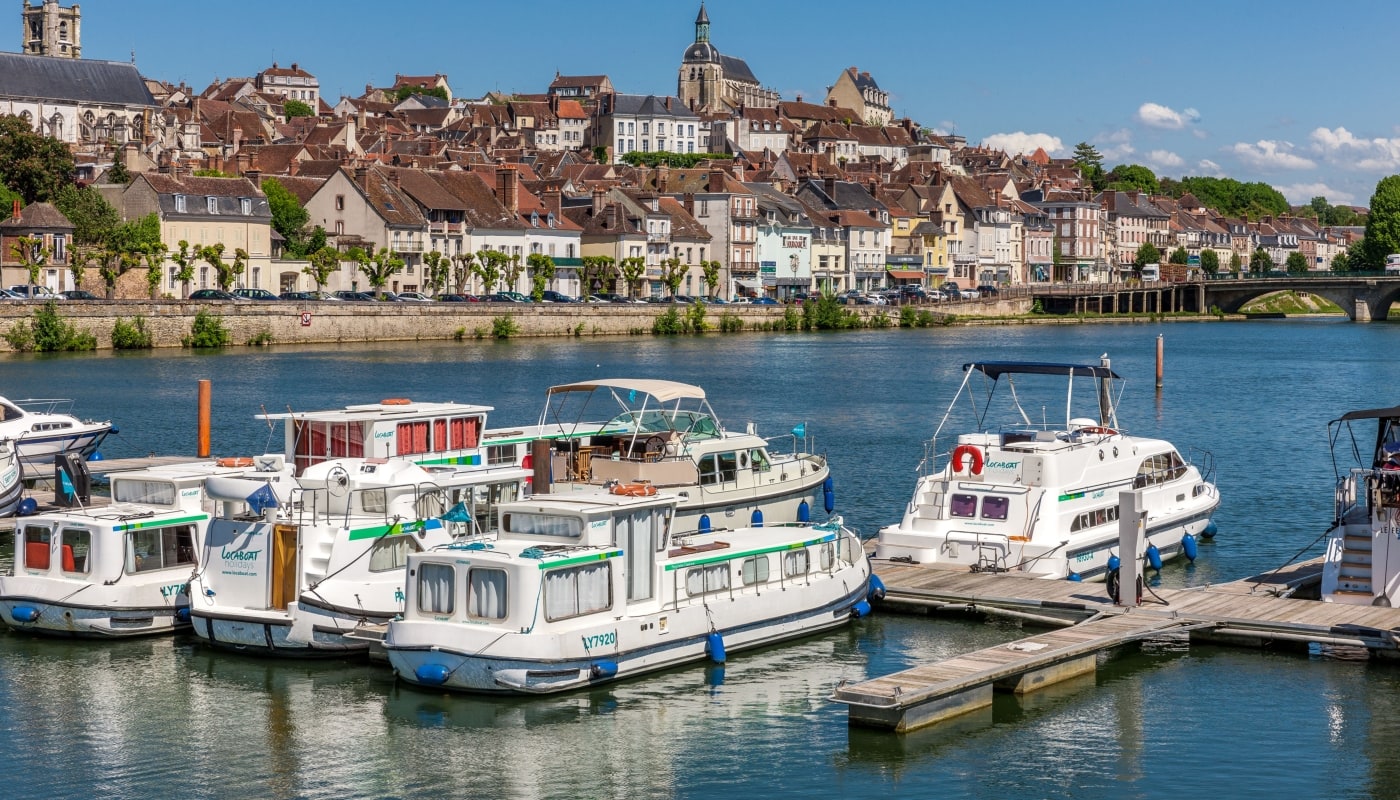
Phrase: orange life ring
[240,461]
[395,401]
[1098,430]
[634,489]
[974,454]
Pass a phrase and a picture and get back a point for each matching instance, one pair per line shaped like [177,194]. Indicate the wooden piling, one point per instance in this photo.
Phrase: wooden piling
[1159,361]
[205,393]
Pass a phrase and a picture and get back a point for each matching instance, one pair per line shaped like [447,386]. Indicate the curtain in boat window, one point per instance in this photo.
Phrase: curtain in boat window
[576,591]
[637,534]
[439,435]
[413,437]
[435,588]
[36,547]
[391,553]
[486,593]
[159,493]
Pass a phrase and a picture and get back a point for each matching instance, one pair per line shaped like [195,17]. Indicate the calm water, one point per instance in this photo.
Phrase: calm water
[166,717]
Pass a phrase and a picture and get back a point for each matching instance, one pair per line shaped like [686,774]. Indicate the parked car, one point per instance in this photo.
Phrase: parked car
[354,296]
[6,294]
[551,296]
[79,294]
[507,297]
[415,297]
[457,298]
[764,301]
[28,292]
[988,290]
[212,294]
[261,295]
[613,297]
[936,296]
[712,300]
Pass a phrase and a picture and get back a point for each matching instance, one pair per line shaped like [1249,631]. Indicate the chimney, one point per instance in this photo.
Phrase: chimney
[668,102]
[14,211]
[738,170]
[552,202]
[716,180]
[612,216]
[362,177]
[598,195]
[830,187]
[688,200]
[663,178]
[293,167]
[255,176]
[294,66]
[508,188]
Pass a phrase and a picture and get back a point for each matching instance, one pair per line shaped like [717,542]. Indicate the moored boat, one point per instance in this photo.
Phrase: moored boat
[11,478]
[584,588]
[44,428]
[1362,564]
[1043,498]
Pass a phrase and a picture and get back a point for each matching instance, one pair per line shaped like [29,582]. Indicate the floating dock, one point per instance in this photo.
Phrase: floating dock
[1259,611]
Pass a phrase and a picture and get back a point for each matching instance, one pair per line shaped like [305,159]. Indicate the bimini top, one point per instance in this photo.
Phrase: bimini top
[995,369]
[1370,413]
[393,407]
[663,391]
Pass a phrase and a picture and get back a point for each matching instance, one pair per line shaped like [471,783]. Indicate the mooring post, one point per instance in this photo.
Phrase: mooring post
[540,455]
[205,392]
[1131,519]
[1159,361]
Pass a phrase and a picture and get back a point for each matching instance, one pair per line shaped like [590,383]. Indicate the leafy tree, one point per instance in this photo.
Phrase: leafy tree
[31,164]
[320,265]
[1133,176]
[677,160]
[1341,262]
[406,92]
[1296,263]
[1235,199]
[1382,226]
[288,217]
[463,265]
[213,173]
[709,275]
[600,154]
[1147,255]
[632,270]
[673,273]
[136,235]
[32,255]
[1260,262]
[1090,163]
[1235,263]
[154,256]
[185,257]
[600,270]
[489,264]
[1179,256]
[92,216]
[435,271]
[1210,262]
[214,256]
[292,109]
[379,267]
[8,197]
[113,263]
[510,271]
[541,273]
[118,172]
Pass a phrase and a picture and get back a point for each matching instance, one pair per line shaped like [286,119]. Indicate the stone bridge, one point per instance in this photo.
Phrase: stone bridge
[1362,298]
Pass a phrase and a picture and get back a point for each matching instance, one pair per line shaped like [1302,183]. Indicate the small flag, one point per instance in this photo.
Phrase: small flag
[800,431]
[67,484]
[262,499]
[632,396]
[457,513]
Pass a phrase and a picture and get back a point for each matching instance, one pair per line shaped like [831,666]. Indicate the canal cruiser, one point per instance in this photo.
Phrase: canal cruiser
[11,478]
[1042,498]
[665,434]
[582,588]
[119,569]
[293,580]
[1362,563]
[43,429]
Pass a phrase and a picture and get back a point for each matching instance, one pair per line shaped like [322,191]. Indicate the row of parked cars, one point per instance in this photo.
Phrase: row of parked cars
[42,293]
[916,294]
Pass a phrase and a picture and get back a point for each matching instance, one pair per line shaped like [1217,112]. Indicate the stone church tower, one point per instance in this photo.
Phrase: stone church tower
[52,31]
[701,81]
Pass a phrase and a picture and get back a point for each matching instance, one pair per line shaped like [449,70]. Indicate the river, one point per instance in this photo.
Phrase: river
[168,717]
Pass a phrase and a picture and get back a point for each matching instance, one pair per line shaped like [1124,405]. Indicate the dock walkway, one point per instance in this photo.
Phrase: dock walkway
[1256,611]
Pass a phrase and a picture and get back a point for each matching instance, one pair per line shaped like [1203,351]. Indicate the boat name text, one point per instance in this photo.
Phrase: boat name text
[600,640]
[239,555]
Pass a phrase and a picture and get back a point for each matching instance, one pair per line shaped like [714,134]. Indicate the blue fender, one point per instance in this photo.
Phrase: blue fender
[24,614]
[1188,547]
[1154,557]
[877,589]
[829,494]
[432,674]
[714,647]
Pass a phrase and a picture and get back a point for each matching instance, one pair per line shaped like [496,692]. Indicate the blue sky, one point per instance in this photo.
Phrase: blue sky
[1299,95]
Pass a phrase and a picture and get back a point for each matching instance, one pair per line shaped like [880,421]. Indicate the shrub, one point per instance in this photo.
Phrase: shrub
[1037,307]
[730,323]
[908,317]
[826,315]
[880,320]
[131,335]
[504,327]
[668,324]
[460,334]
[261,339]
[695,318]
[48,333]
[792,319]
[207,331]
[20,337]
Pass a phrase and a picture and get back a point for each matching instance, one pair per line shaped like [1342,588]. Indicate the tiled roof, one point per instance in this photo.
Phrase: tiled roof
[78,79]
[683,225]
[300,186]
[37,215]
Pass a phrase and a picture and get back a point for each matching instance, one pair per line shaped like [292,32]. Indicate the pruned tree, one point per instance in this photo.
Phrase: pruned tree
[511,270]
[185,257]
[673,272]
[632,269]
[154,256]
[321,265]
[1147,255]
[709,275]
[489,267]
[1210,262]
[379,268]
[541,273]
[32,255]
[435,271]
[462,268]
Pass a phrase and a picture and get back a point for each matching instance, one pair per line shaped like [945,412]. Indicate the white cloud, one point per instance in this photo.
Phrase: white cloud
[1300,193]
[1115,147]
[1210,168]
[1267,154]
[1164,159]
[1022,142]
[1155,115]
[1344,149]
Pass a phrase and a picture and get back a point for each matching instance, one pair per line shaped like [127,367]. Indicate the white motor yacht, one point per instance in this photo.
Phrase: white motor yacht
[1016,494]
[44,428]
[1362,563]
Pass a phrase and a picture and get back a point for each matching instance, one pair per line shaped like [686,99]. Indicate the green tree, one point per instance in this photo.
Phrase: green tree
[154,257]
[320,265]
[463,267]
[510,271]
[541,273]
[405,92]
[134,236]
[632,270]
[213,255]
[1341,262]
[489,265]
[1147,255]
[673,272]
[1382,227]
[1133,176]
[185,258]
[31,164]
[435,272]
[1090,163]
[1296,263]
[1260,262]
[1234,199]
[32,255]
[709,275]
[1210,262]
[379,268]
[92,216]
[292,109]
[1235,263]
[118,172]
[114,262]
[288,217]
[1179,256]
[597,272]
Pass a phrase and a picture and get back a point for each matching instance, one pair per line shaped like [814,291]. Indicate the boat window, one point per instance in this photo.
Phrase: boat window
[36,547]
[391,552]
[636,532]
[728,467]
[575,591]
[709,470]
[760,461]
[755,570]
[995,506]
[706,579]
[500,454]
[486,593]
[373,501]
[796,562]
[160,548]
[465,432]
[544,525]
[9,412]
[155,493]
[826,556]
[482,504]
[439,434]
[435,583]
[318,441]
[412,437]
[963,505]
[75,547]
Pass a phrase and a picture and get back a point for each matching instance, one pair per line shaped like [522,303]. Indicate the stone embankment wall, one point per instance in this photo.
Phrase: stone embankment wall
[169,321]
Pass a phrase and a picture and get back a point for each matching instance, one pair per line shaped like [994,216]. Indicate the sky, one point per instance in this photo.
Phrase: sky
[1299,95]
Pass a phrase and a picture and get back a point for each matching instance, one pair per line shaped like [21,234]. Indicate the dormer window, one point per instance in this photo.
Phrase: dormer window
[534,219]
[179,203]
[245,205]
[550,221]
[213,204]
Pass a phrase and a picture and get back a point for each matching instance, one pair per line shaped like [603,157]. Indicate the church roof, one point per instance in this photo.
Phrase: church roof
[736,69]
[73,79]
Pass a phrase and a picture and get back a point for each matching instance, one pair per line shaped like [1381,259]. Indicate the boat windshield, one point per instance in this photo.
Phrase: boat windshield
[692,425]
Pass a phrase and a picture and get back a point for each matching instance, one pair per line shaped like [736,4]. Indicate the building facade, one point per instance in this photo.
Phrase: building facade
[51,30]
[711,82]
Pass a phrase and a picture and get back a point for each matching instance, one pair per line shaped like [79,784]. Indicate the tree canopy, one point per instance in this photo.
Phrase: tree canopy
[1133,176]
[1382,227]
[31,164]
[288,217]
[1232,198]
[405,92]
[296,108]
[677,160]
[92,216]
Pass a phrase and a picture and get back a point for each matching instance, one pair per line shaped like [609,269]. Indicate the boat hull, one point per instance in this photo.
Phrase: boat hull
[38,450]
[46,607]
[303,631]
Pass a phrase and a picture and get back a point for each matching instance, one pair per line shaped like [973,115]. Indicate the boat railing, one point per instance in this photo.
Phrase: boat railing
[314,506]
[46,405]
[1204,461]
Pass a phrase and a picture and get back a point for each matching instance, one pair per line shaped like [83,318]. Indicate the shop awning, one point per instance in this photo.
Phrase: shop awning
[907,274]
[749,284]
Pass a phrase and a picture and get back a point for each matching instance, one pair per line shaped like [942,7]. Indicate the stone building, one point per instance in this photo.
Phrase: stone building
[711,82]
[50,30]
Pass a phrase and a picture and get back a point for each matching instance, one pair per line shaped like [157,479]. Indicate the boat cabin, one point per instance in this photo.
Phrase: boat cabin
[425,433]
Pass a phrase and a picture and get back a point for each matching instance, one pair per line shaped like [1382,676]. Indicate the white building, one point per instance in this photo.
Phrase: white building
[628,123]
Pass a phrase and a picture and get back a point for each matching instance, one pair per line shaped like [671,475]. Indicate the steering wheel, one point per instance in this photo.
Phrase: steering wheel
[656,444]
[337,481]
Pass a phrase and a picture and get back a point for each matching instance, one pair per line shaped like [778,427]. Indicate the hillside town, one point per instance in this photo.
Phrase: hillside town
[723,188]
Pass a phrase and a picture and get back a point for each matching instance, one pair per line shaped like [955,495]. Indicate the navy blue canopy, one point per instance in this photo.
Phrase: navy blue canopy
[995,369]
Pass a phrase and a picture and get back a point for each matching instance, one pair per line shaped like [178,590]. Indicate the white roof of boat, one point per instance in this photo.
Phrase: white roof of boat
[661,390]
[379,410]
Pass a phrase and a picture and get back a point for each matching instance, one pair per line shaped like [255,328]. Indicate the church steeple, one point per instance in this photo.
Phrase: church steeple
[702,25]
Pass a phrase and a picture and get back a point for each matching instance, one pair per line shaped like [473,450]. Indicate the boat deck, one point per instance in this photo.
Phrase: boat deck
[1256,611]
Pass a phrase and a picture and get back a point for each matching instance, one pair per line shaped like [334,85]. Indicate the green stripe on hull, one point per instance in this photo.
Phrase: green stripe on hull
[581,559]
[730,556]
[156,523]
